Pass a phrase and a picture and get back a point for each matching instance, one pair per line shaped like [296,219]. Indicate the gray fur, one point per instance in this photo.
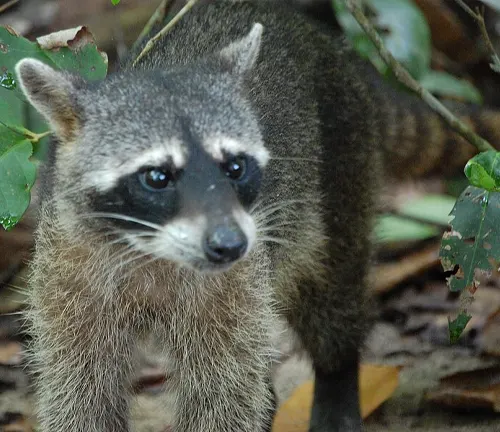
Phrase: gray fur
[243,53]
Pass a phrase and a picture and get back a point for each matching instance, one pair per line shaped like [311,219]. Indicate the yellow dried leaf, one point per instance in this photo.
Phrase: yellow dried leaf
[377,384]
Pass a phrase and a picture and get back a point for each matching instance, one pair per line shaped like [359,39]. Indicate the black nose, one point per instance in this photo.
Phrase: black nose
[225,243]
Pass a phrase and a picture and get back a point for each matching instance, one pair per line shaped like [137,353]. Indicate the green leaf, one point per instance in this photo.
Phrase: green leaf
[408,36]
[483,170]
[457,326]
[17,174]
[444,84]
[403,28]
[115,2]
[389,229]
[473,244]
[430,208]
[81,56]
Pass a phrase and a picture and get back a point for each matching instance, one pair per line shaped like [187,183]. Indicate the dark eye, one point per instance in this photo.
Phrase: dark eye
[235,167]
[155,178]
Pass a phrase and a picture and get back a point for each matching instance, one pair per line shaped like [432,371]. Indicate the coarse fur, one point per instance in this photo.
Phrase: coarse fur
[116,261]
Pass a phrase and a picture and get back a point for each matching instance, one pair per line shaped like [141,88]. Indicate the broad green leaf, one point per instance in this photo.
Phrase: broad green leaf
[408,36]
[81,56]
[473,244]
[115,2]
[430,208]
[444,84]
[457,326]
[403,28]
[483,171]
[391,228]
[17,175]
[76,53]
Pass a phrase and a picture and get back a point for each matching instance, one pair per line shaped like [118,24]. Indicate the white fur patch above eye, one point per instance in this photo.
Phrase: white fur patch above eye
[216,146]
[173,152]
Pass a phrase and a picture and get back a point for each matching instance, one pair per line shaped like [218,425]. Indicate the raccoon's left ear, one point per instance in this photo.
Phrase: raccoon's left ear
[52,94]
[241,55]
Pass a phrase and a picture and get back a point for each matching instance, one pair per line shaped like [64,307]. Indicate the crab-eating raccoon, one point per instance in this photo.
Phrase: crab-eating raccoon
[223,185]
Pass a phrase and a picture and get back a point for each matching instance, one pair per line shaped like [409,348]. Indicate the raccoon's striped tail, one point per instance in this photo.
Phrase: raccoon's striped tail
[416,141]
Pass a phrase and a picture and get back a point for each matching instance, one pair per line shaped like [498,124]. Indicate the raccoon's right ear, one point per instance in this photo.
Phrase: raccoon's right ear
[241,56]
[52,94]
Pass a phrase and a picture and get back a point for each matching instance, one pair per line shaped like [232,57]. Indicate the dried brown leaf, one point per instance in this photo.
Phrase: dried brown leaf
[10,353]
[16,422]
[472,389]
[387,276]
[489,342]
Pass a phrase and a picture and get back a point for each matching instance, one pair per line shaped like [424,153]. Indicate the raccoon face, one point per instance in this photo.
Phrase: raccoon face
[169,161]
[192,208]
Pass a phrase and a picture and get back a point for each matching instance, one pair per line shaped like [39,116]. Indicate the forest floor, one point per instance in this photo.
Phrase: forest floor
[406,410]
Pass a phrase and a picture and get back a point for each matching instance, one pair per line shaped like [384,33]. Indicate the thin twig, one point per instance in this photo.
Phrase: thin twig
[30,135]
[35,138]
[187,7]
[478,16]
[466,8]
[157,18]
[8,5]
[404,77]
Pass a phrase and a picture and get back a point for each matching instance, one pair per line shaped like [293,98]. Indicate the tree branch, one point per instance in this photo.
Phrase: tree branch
[8,5]
[151,43]
[157,18]
[478,16]
[404,77]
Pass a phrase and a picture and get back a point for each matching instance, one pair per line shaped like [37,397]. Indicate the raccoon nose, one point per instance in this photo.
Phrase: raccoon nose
[225,243]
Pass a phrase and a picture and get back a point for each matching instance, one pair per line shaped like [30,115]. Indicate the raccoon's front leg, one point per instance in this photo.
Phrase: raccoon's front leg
[332,319]
[223,396]
[223,373]
[83,361]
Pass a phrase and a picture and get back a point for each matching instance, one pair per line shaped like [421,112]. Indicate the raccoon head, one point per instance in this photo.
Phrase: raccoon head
[169,160]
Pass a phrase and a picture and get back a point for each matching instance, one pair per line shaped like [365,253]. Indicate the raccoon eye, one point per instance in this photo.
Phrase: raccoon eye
[154,179]
[235,168]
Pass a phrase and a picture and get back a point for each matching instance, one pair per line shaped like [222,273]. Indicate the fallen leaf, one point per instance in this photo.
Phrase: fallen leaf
[61,38]
[15,422]
[377,384]
[387,276]
[489,341]
[10,353]
[472,389]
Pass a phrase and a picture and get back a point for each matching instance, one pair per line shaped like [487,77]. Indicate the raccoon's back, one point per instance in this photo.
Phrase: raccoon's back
[309,82]
[305,80]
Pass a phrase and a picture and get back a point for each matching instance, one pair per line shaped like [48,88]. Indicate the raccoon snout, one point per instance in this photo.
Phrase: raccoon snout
[225,243]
